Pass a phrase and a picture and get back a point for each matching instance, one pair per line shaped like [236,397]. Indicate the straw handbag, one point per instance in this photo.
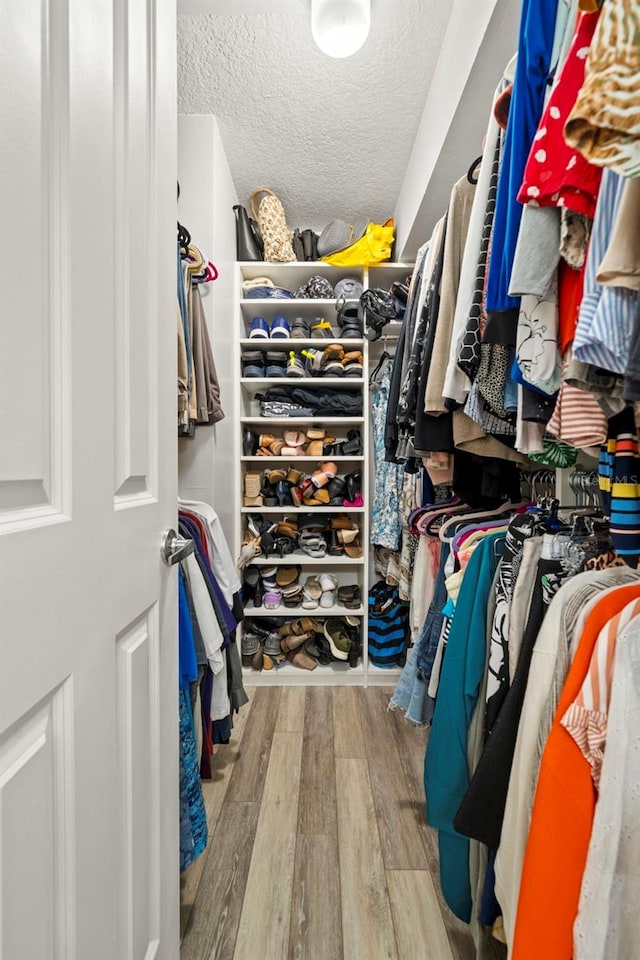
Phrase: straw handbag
[273,226]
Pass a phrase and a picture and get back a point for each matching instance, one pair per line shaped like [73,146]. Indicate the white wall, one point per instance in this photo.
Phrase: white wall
[481,38]
[207,195]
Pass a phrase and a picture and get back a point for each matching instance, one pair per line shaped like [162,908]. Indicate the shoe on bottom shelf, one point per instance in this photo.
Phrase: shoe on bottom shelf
[300,658]
[338,638]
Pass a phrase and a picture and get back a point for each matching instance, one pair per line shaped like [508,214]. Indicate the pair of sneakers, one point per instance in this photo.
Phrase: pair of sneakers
[264,363]
[261,329]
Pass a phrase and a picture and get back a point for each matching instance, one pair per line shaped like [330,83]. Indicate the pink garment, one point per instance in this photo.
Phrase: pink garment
[556,175]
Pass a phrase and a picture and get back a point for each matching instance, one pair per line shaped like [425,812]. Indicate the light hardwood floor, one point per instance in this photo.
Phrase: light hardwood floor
[318,847]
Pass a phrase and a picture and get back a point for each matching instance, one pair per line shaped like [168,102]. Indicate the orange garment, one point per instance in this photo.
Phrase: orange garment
[570,284]
[562,816]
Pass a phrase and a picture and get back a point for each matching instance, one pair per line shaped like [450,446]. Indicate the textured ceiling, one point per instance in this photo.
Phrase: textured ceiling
[331,137]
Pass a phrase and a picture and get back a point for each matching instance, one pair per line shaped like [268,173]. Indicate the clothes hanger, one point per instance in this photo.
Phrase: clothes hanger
[473,169]
[384,356]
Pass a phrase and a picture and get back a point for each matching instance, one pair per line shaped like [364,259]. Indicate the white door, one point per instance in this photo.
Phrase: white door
[88,690]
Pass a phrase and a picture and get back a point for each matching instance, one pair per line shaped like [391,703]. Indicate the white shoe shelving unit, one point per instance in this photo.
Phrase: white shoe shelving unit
[247,406]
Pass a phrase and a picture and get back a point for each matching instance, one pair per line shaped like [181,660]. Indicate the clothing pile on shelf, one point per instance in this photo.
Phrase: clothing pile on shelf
[198,387]
[320,402]
[211,688]
[521,346]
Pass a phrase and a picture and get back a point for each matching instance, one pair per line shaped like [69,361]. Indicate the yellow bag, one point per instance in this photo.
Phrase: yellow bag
[372,248]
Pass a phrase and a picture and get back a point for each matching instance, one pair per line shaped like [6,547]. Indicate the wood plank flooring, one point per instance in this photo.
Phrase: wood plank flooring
[318,846]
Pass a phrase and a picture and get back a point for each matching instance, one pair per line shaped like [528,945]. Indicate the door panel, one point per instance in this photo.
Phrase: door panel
[88,684]
[34,414]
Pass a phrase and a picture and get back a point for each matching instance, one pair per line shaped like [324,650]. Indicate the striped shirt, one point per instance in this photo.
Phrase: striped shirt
[619,481]
[586,718]
[605,322]
[577,418]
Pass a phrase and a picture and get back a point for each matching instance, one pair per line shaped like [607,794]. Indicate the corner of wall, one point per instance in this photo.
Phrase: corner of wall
[207,196]
[479,41]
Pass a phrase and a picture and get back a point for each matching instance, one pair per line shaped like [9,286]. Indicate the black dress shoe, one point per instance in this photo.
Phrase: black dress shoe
[249,443]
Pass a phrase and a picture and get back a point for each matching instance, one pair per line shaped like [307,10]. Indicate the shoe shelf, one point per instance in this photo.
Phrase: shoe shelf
[290,276]
[296,344]
[310,508]
[305,421]
[265,461]
[294,612]
[304,560]
[341,383]
[271,307]
[286,675]
[358,570]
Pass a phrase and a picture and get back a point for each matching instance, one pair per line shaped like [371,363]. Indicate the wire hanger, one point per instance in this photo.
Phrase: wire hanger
[473,170]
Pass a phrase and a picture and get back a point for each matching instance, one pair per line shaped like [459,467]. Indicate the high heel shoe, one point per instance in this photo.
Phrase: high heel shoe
[337,488]
[249,443]
[354,483]
[283,494]
[268,491]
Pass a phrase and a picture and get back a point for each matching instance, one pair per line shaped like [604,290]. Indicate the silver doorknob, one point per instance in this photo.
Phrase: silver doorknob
[175,548]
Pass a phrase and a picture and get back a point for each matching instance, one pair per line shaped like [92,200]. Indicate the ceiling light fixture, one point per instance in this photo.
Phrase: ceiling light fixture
[340,27]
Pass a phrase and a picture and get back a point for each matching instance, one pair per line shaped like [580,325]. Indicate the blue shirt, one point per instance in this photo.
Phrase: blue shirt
[605,322]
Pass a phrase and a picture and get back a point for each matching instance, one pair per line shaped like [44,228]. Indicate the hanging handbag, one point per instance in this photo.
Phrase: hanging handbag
[388,630]
[271,218]
[248,239]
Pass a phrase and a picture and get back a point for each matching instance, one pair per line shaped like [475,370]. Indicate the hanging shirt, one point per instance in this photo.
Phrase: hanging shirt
[605,323]
[446,773]
[556,174]
[535,46]
[586,718]
[562,817]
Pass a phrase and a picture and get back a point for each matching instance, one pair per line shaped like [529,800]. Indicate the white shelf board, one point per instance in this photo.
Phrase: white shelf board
[291,301]
[291,275]
[318,613]
[293,343]
[267,460]
[340,382]
[290,309]
[304,560]
[378,675]
[295,421]
[382,676]
[306,509]
[330,675]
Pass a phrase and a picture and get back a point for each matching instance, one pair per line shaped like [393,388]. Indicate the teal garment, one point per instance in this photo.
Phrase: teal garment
[446,772]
